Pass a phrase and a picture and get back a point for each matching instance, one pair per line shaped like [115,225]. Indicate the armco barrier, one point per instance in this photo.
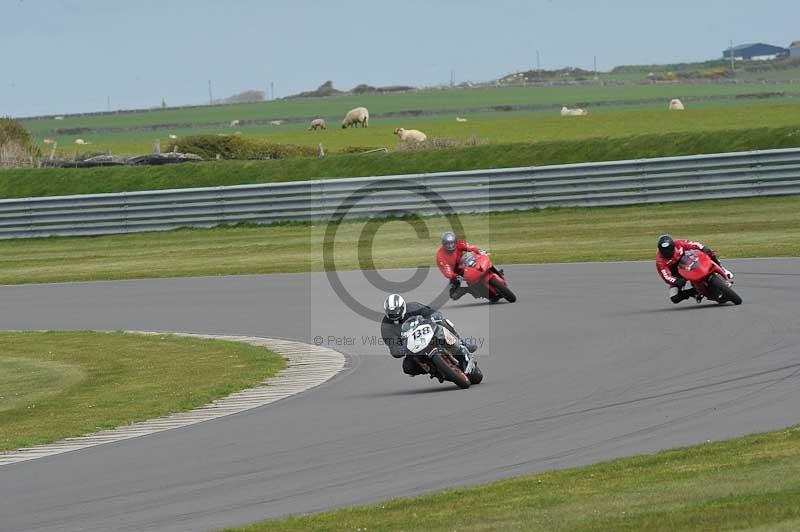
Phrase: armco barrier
[730,175]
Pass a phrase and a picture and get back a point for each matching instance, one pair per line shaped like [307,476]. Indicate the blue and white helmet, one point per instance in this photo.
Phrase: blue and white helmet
[394,306]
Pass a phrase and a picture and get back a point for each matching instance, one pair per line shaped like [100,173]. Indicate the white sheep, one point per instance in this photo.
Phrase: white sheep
[48,141]
[565,111]
[276,122]
[58,118]
[676,105]
[234,123]
[173,137]
[317,123]
[80,141]
[359,115]
[459,119]
[410,135]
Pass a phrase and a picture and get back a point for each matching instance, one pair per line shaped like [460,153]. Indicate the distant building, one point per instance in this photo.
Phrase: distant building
[757,50]
[794,49]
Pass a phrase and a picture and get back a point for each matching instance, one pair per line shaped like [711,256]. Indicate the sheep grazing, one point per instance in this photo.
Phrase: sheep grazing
[459,119]
[80,142]
[565,111]
[317,123]
[276,122]
[359,115]
[676,105]
[48,141]
[58,118]
[410,135]
[173,137]
[234,123]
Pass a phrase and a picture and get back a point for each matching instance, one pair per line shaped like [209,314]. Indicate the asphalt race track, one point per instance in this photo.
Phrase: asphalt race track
[593,362]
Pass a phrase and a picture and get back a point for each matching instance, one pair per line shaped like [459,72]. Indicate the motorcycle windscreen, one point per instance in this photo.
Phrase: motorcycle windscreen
[694,266]
[468,260]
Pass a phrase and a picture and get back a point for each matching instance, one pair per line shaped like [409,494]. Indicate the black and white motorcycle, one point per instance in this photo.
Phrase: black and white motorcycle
[437,348]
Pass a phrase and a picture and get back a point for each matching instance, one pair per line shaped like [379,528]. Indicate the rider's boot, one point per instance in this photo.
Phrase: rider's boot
[676,295]
[457,291]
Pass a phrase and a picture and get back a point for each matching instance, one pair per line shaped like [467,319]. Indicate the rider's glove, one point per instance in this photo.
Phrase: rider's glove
[455,282]
[680,282]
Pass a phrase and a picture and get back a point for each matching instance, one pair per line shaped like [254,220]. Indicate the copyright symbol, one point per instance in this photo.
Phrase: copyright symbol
[318,340]
[392,193]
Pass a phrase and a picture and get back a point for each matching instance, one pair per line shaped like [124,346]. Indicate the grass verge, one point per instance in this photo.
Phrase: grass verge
[20,183]
[737,228]
[55,385]
[748,483]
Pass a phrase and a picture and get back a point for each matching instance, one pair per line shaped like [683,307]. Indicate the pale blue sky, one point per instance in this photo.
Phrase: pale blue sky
[61,56]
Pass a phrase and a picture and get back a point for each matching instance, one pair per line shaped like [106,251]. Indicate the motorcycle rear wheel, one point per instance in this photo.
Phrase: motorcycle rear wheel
[450,372]
[719,286]
[503,290]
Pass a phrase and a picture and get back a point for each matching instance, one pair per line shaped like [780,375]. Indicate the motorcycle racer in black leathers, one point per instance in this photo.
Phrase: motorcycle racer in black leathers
[396,311]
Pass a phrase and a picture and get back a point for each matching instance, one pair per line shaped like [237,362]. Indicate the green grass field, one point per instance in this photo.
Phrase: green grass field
[126,133]
[750,483]
[737,228]
[452,100]
[489,127]
[55,385]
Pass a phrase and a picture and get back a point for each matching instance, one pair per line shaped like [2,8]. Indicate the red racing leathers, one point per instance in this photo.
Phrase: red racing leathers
[668,269]
[448,261]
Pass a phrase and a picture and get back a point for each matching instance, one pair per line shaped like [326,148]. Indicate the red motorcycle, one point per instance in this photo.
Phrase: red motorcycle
[707,277]
[483,279]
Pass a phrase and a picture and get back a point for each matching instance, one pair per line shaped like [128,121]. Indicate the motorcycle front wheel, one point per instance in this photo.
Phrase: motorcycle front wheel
[450,370]
[503,290]
[726,293]
[476,377]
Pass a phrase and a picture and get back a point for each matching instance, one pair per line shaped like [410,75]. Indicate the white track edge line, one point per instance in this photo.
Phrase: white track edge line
[307,366]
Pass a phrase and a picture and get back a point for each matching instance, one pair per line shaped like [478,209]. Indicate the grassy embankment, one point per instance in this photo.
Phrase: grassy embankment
[750,483]
[560,141]
[55,385]
[737,228]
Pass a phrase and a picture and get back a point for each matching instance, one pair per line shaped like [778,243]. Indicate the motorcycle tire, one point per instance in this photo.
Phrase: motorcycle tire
[503,290]
[476,377]
[719,286]
[450,372]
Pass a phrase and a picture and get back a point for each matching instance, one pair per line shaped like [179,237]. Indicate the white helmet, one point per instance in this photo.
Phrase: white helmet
[449,241]
[394,307]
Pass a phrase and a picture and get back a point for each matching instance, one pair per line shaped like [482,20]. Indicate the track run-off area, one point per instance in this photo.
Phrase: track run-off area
[593,362]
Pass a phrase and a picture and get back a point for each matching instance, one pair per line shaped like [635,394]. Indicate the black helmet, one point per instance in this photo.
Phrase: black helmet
[449,241]
[394,307]
[666,246]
